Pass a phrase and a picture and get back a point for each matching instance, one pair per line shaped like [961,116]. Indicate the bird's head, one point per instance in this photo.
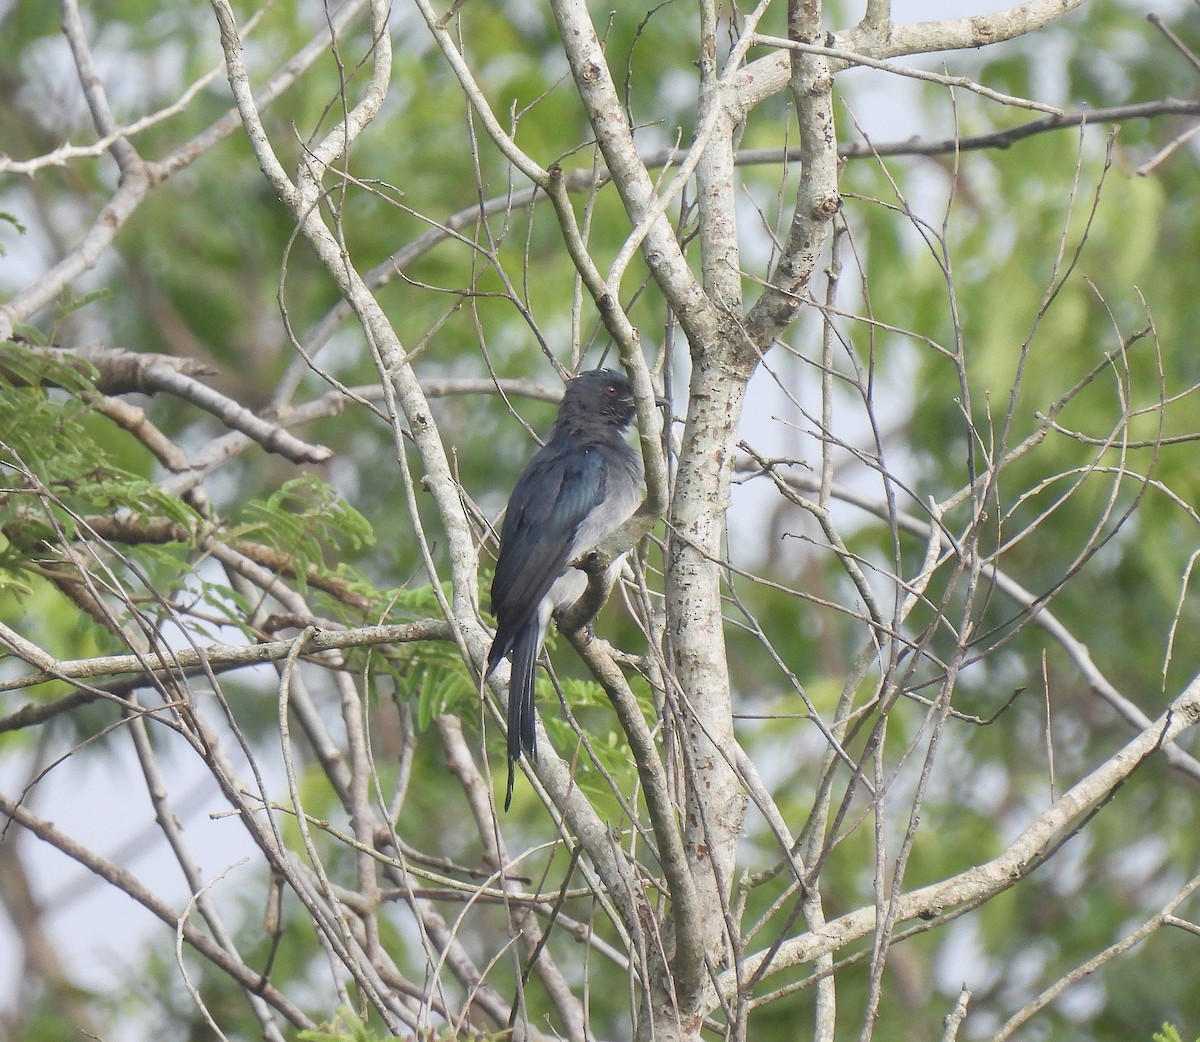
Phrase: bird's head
[597,398]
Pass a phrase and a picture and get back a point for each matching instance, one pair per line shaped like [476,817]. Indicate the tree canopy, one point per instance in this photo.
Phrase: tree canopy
[886,730]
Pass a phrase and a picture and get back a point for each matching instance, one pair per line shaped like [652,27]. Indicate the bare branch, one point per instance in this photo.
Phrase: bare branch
[1131,940]
[851,59]
[125,882]
[1019,858]
[213,655]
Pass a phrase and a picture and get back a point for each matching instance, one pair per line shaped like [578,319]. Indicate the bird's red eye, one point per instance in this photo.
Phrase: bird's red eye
[610,389]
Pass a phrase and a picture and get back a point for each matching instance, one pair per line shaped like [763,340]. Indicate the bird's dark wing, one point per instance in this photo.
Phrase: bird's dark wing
[554,496]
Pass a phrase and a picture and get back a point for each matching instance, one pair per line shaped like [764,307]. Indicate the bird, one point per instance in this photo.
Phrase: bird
[579,488]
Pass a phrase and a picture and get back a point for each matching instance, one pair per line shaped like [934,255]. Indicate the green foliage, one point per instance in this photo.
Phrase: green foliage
[8,218]
[592,709]
[1169,1033]
[302,515]
[302,519]
[58,471]
[430,673]
[68,305]
[346,1026]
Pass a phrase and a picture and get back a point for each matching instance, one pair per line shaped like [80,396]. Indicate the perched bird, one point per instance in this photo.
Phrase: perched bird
[580,487]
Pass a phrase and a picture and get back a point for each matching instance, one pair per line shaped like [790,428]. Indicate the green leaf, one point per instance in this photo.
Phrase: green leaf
[69,306]
[346,1026]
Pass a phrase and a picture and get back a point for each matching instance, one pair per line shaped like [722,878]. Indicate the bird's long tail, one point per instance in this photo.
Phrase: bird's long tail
[522,716]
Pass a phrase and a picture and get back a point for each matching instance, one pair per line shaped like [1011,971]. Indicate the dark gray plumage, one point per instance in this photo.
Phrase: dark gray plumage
[580,487]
